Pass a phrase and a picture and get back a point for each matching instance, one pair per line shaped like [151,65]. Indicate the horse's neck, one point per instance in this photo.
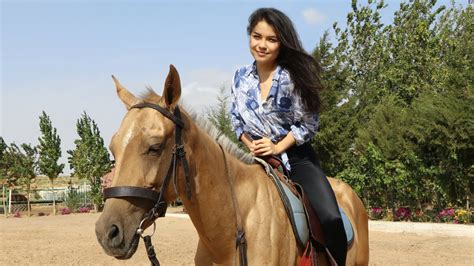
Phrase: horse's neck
[212,209]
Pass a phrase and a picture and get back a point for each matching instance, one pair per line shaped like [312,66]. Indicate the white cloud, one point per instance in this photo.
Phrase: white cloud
[313,16]
[201,87]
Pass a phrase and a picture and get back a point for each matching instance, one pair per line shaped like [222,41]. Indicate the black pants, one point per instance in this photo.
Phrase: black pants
[306,171]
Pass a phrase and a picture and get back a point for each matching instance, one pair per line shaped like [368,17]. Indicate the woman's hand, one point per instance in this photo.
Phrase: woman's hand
[263,147]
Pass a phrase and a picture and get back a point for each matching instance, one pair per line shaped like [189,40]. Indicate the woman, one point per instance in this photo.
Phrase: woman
[275,111]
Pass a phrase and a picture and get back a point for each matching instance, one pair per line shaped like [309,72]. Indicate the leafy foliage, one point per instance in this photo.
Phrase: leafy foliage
[49,149]
[398,121]
[219,116]
[90,159]
[49,152]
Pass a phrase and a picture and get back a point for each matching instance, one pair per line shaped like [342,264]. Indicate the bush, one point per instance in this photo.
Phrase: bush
[422,216]
[462,216]
[446,215]
[376,213]
[84,209]
[65,211]
[403,214]
[72,199]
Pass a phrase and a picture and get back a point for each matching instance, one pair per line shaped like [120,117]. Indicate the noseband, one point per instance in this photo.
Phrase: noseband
[160,206]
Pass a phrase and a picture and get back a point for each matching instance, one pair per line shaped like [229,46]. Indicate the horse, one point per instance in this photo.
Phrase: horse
[220,186]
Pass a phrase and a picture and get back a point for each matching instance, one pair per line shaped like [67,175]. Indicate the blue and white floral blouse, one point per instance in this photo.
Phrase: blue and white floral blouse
[274,118]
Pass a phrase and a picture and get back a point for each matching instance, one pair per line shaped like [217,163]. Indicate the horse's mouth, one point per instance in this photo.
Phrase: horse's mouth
[131,250]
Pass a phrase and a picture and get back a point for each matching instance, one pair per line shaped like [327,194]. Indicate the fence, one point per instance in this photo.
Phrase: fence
[45,196]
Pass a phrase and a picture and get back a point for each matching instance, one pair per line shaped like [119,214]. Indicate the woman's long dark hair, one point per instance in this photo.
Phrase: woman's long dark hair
[303,68]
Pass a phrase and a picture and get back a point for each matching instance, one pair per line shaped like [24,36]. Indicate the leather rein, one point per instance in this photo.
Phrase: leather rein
[160,206]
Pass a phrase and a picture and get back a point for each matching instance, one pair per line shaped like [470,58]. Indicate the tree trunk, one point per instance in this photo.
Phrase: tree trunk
[4,201]
[28,206]
[54,196]
[9,200]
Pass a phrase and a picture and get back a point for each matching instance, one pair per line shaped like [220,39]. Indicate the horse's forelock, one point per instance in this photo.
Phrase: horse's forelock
[150,96]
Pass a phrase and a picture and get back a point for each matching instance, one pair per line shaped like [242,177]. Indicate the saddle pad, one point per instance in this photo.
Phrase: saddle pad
[300,217]
[295,210]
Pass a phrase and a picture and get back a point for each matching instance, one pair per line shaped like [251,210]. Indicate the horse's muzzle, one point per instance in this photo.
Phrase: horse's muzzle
[115,241]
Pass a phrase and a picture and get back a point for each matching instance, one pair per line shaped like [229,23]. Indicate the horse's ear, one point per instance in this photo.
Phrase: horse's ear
[127,97]
[172,90]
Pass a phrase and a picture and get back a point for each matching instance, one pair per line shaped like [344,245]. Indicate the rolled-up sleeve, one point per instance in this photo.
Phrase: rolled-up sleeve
[305,124]
[235,118]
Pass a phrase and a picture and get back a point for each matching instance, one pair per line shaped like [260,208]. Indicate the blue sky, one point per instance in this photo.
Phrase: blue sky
[58,56]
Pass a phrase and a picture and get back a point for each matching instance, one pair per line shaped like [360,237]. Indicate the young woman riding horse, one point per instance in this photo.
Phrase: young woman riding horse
[275,105]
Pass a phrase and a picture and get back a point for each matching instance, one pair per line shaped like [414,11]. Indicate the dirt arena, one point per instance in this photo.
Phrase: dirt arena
[70,240]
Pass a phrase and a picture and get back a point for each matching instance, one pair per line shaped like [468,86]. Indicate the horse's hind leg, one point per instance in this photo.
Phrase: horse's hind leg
[202,257]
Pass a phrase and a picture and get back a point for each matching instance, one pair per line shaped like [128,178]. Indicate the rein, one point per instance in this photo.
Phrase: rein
[240,241]
[159,209]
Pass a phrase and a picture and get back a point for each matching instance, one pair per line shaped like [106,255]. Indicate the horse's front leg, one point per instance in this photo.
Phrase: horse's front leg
[202,257]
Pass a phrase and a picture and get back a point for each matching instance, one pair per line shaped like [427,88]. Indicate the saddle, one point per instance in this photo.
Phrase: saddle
[305,222]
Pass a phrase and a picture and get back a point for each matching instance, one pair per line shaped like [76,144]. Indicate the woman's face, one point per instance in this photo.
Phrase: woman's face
[264,43]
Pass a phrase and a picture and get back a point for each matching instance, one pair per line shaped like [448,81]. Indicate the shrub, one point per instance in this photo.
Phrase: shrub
[446,215]
[65,211]
[403,214]
[376,213]
[462,216]
[84,209]
[72,199]
[422,216]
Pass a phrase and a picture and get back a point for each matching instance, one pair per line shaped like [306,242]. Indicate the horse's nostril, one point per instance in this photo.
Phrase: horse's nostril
[113,232]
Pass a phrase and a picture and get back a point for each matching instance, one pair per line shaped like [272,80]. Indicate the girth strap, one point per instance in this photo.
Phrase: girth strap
[241,244]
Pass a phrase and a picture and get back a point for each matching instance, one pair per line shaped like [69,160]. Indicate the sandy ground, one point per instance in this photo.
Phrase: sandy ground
[70,240]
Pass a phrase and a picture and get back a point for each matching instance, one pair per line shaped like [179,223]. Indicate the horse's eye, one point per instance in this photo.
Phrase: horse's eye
[154,149]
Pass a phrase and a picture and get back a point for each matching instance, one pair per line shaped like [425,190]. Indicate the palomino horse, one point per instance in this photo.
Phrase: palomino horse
[142,148]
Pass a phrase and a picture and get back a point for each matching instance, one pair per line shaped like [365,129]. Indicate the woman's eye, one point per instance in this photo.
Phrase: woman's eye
[256,37]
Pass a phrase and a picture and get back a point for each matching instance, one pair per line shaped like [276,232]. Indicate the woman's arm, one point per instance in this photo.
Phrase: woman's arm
[265,147]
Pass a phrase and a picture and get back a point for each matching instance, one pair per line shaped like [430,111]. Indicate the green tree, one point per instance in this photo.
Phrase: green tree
[219,116]
[90,159]
[29,159]
[49,149]
[3,171]
[22,167]
[397,114]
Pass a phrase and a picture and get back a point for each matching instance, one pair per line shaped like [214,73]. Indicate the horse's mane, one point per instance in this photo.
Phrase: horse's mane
[208,127]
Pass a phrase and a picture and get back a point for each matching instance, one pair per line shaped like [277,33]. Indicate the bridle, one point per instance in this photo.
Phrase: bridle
[159,209]
[160,206]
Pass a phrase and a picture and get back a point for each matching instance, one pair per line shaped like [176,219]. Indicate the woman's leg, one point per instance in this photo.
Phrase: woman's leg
[317,188]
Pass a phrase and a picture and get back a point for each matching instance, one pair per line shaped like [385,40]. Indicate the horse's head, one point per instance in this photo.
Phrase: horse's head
[143,148]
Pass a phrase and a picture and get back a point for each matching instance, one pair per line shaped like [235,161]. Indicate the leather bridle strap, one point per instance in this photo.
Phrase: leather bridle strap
[126,191]
[176,119]
[181,155]
[240,241]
